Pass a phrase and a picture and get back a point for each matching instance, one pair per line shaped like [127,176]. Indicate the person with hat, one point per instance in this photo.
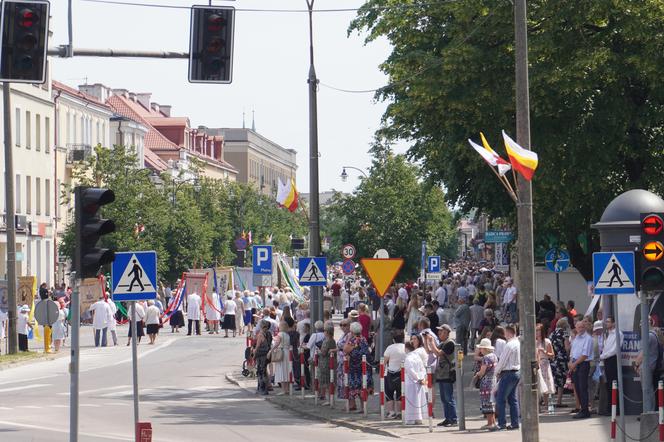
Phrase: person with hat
[23,326]
[487,381]
[415,382]
[445,373]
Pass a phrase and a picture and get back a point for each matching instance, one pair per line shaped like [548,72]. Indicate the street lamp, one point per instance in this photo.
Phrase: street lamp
[344,174]
[177,184]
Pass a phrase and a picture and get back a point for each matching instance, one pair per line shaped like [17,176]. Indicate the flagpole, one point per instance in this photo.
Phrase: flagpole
[507,187]
[514,197]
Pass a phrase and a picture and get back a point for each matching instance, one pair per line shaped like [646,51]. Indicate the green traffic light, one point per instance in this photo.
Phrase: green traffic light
[652,278]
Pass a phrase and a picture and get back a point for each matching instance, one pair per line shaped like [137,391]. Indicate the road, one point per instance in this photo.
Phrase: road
[183,393]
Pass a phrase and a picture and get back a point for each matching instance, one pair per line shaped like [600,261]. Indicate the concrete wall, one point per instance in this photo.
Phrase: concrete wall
[572,286]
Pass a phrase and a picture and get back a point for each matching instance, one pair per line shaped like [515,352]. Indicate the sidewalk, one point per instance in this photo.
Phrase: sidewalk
[557,427]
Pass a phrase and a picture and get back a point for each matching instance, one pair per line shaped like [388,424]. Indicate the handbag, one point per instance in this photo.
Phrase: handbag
[276,354]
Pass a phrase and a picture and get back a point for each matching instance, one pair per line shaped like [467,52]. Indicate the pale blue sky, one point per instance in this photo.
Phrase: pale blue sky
[270,70]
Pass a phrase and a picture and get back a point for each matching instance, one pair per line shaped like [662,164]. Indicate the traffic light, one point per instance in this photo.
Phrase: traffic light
[89,228]
[211,44]
[24,41]
[652,251]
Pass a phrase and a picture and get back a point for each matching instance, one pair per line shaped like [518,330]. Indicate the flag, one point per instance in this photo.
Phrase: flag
[287,195]
[524,161]
[269,239]
[491,157]
[503,166]
[249,237]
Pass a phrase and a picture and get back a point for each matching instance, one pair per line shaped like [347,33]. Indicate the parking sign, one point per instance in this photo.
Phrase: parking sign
[262,260]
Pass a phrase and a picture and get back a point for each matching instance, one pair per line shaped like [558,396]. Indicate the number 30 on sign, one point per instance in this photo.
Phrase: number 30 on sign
[348,251]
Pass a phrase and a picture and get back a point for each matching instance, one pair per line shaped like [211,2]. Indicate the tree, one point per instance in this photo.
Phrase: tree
[597,109]
[394,210]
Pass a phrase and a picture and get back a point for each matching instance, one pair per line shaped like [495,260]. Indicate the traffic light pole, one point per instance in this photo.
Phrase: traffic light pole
[10,220]
[316,294]
[529,403]
[75,356]
[646,373]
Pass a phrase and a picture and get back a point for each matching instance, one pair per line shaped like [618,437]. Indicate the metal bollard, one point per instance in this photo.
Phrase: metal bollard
[316,386]
[461,409]
[332,379]
[346,387]
[302,376]
[660,403]
[430,395]
[614,404]
[365,394]
[403,394]
[382,388]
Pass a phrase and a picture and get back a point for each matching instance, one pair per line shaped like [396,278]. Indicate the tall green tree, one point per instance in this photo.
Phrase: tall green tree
[597,101]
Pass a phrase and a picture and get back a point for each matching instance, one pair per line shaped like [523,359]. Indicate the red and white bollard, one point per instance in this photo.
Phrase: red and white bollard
[332,364]
[403,394]
[614,404]
[346,387]
[290,371]
[248,341]
[430,395]
[316,386]
[660,403]
[382,388]
[365,393]
[302,376]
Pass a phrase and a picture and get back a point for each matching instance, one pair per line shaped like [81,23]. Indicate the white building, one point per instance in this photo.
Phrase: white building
[35,188]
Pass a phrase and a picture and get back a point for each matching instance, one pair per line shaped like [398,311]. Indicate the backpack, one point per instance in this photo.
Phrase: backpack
[445,369]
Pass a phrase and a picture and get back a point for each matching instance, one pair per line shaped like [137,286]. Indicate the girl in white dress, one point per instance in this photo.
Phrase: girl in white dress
[59,328]
[416,375]
[282,340]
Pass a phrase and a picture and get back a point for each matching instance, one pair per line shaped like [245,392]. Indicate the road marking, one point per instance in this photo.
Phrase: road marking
[5,408]
[90,405]
[31,407]
[56,430]
[23,387]
[30,380]
[116,387]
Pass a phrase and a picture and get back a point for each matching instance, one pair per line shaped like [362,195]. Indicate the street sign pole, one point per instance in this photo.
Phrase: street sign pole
[73,364]
[529,404]
[621,399]
[134,361]
[558,286]
[381,328]
[646,387]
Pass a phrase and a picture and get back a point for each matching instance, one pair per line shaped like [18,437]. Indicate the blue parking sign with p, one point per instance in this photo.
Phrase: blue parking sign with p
[434,264]
[262,260]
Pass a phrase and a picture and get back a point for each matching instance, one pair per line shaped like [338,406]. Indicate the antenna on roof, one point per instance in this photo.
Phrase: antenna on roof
[253,120]
[243,124]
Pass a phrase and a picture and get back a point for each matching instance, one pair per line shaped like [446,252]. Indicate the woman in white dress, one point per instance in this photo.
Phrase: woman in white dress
[212,313]
[416,376]
[414,315]
[59,329]
[545,354]
[239,314]
[112,322]
[282,340]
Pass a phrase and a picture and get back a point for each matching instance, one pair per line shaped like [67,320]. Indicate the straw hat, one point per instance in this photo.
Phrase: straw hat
[485,344]
[354,314]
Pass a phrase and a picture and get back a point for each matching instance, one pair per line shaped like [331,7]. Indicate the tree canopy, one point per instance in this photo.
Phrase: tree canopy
[597,115]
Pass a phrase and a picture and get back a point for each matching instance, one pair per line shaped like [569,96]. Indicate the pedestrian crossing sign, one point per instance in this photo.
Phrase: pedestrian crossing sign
[134,276]
[614,273]
[313,271]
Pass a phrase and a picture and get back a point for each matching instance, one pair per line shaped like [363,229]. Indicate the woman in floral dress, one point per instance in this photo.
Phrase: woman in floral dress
[341,357]
[355,348]
[560,343]
[487,377]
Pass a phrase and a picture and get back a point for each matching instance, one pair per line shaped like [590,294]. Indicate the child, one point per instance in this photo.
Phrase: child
[23,326]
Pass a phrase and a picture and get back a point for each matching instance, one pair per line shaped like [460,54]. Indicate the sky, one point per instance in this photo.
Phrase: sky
[271,64]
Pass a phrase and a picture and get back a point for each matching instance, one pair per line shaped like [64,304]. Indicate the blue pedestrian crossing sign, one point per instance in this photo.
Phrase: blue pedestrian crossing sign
[134,276]
[313,271]
[434,264]
[556,260]
[614,273]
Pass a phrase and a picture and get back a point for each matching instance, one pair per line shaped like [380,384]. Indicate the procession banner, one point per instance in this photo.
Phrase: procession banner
[196,281]
[224,279]
[89,293]
[210,278]
[27,285]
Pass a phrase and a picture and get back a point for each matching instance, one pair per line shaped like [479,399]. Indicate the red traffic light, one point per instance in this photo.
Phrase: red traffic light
[27,18]
[215,22]
[652,225]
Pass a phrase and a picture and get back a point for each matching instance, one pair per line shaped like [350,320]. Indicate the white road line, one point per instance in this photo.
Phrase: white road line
[116,387]
[23,387]
[5,408]
[90,405]
[30,380]
[31,407]
[56,430]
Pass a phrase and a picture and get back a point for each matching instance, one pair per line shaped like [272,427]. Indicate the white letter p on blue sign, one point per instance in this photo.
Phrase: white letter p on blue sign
[262,260]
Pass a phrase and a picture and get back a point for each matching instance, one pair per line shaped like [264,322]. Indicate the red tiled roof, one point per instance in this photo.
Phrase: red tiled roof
[153,161]
[208,159]
[168,121]
[75,92]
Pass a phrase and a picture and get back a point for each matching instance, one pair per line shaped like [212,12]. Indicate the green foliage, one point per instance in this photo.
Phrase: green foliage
[190,223]
[596,100]
[394,210]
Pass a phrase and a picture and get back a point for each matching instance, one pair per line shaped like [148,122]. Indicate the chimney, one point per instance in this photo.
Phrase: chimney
[120,92]
[97,90]
[132,97]
[165,109]
[155,107]
[144,99]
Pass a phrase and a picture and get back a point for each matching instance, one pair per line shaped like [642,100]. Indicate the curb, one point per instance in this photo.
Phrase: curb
[332,420]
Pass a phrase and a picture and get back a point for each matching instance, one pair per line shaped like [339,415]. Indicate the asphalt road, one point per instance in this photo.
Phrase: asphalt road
[183,393]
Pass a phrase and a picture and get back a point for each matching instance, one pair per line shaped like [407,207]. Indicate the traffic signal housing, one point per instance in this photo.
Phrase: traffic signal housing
[211,44]
[24,41]
[90,227]
[652,251]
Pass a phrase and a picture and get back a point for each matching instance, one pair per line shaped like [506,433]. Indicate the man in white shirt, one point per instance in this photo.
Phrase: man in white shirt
[101,315]
[395,354]
[510,301]
[609,354]
[507,371]
[579,365]
[441,294]
[316,339]
[193,313]
[403,293]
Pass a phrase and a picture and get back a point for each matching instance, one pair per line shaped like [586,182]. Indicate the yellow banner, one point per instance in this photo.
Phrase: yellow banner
[89,293]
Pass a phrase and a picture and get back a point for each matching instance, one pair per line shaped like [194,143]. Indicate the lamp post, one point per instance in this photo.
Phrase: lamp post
[177,184]
[344,174]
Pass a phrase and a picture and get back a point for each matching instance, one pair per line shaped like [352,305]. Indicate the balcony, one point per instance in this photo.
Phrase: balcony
[78,152]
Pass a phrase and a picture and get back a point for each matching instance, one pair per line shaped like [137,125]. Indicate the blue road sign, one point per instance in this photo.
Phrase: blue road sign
[313,271]
[348,267]
[614,273]
[262,260]
[434,264]
[134,276]
[557,260]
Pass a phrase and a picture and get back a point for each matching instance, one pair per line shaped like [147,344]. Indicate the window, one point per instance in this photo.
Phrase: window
[69,129]
[83,131]
[38,196]
[73,134]
[18,193]
[37,132]
[57,199]
[28,129]
[28,194]
[17,135]
[47,197]
[58,129]
[47,256]
[103,134]
[98,134]
[39,256]
[47,134]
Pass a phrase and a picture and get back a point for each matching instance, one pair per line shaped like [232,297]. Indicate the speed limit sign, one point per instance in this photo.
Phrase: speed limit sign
[348,251]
